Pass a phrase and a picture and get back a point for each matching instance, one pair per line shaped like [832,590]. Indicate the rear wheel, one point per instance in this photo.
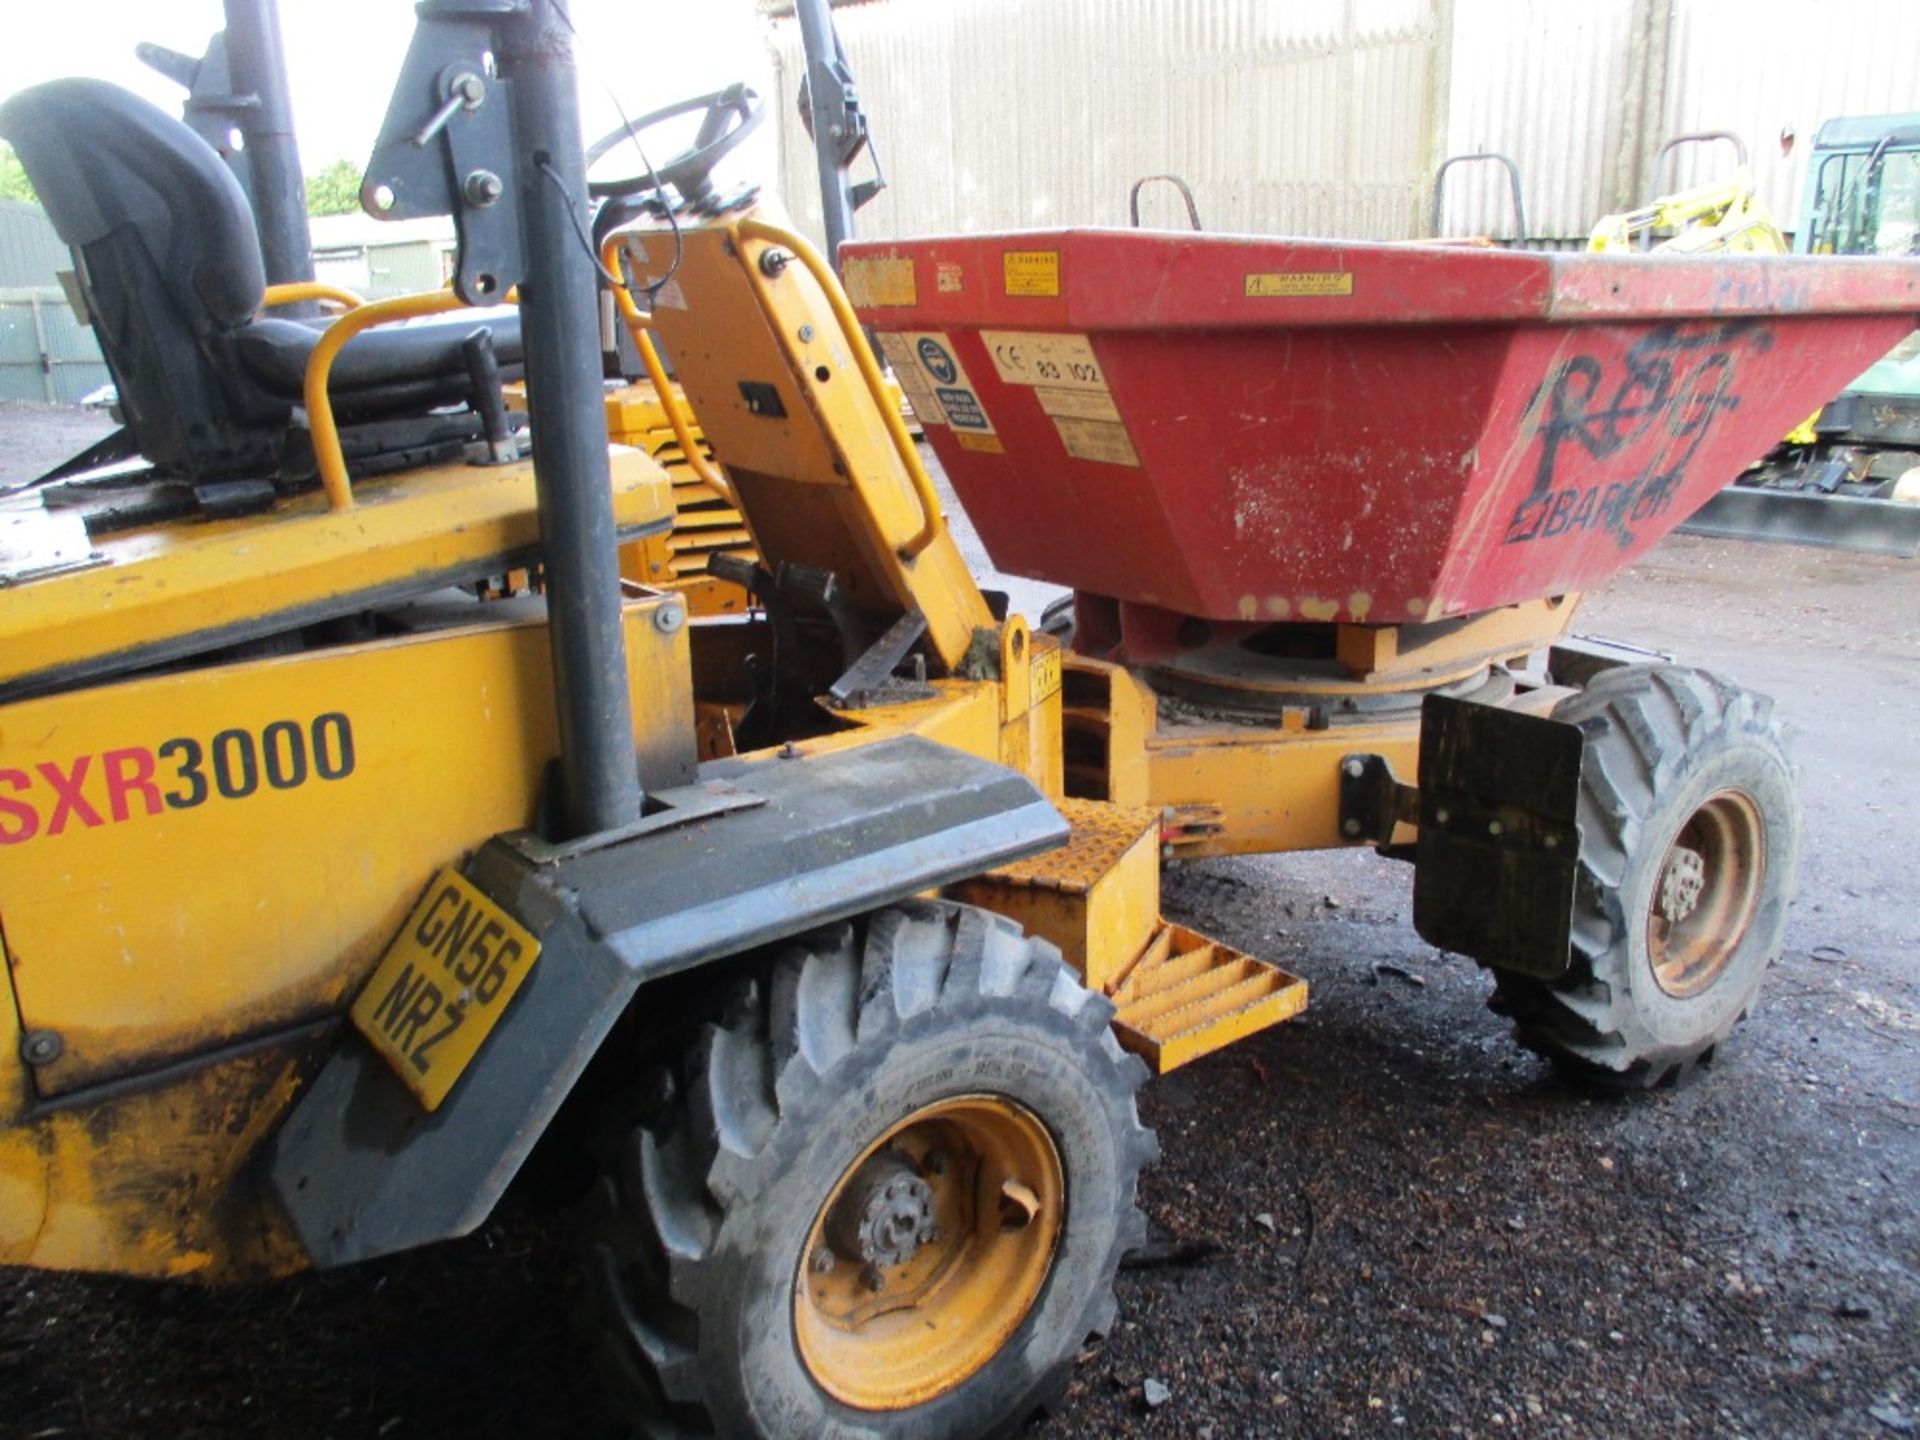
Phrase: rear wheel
[1057,620]
[888,1198]
[1689,841]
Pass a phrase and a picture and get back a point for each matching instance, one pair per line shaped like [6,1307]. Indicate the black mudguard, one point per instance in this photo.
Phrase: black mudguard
[1499,846]
[755,852]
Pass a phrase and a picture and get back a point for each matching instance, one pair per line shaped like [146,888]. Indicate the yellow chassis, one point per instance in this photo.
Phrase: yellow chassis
[184,921]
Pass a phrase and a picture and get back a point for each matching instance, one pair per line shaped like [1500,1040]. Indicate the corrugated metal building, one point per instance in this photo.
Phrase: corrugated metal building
[46,355]
[1329,117]
[379,258]
[30,250]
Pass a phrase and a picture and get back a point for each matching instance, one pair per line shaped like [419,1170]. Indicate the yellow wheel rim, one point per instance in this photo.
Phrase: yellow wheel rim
[929,1253]
[1706,894]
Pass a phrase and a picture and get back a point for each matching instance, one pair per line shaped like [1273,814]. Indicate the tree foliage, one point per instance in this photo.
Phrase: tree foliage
[13,177]
[334,190]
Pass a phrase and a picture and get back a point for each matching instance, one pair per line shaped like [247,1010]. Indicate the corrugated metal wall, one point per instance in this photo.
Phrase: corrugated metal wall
[1544,84]
[1762,67]
[1310,117]
[1327,117]
[46,355]
[30,248]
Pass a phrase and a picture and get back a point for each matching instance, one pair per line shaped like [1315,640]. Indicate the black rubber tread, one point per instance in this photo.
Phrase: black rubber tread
[682,1206]
[1656,735]
[1057,619]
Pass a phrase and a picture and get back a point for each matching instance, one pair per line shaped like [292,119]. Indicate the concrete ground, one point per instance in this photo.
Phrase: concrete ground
[1457,1242]
[35,438]
[1385,1218]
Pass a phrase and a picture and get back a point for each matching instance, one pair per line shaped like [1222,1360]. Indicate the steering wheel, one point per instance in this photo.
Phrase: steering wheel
[727,117]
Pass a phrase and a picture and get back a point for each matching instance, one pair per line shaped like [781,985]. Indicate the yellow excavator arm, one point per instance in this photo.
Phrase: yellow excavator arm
[1725,216]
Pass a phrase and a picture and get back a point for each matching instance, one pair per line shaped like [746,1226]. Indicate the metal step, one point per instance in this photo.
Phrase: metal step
[1187,996]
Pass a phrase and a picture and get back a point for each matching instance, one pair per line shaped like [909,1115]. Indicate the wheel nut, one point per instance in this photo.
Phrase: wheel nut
[873,1279]
[821,1260]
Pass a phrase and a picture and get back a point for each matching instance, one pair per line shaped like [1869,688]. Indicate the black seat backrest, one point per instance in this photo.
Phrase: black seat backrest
[170,264]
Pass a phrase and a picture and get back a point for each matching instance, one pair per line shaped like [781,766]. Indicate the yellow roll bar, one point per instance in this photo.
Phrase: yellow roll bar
[326,434]
[296,291]
[640,327]
[754,228]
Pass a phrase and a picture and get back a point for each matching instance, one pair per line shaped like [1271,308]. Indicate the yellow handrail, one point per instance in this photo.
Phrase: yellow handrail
[326,435]
[295,291]
[754,228]
[638,326]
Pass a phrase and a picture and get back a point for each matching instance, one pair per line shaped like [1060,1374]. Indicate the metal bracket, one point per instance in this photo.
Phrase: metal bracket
[873,669]
[446,143]
[211,108]
[1577,659]
[839,105]
[1373,801]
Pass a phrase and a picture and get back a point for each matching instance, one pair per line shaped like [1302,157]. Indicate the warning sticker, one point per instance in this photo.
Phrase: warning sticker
[988,444]
[1025,357]
[913,382]
[949,277]
[876,280]
[937,365]
[1043,680]
[1284,284]
[1077,404]
[1101,440]
[962,407]
[1031,272]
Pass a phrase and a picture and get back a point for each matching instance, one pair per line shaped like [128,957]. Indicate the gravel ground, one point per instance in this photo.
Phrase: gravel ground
[35,438]
[1387,1219]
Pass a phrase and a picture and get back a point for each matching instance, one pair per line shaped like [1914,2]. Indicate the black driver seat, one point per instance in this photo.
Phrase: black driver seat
[169,262]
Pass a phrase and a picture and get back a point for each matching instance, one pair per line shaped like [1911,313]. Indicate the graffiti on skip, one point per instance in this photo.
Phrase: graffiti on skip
[1649,409]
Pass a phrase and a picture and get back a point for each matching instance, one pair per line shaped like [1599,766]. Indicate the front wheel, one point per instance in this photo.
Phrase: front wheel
[889,1198]
[1689,841]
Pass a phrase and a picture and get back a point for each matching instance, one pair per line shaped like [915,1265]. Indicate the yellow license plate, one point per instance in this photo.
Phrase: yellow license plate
[443,984]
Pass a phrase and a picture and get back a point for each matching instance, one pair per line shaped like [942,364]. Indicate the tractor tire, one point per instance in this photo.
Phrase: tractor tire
[1057,620]
[1689,825]
[887,1199]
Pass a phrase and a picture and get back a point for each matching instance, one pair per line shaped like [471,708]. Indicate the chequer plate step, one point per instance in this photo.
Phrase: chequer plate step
[1187,996]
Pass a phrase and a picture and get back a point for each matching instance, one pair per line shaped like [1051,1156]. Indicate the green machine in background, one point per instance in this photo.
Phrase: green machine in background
[1863,447]
[1863,198]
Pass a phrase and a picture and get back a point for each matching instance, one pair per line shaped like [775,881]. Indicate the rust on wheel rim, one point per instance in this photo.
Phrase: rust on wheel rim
[1706,894]
[929,1253]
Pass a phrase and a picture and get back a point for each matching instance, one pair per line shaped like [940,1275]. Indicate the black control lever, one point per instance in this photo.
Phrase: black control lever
[483,374]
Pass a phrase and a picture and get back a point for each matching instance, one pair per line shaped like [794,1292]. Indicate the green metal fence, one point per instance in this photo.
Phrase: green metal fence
[46,354]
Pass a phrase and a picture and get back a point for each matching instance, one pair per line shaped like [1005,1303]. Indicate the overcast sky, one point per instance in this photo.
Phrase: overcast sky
[343,56]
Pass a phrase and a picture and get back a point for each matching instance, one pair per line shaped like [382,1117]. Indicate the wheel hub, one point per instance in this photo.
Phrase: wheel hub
[885,1216]
[1707,894]
[1682,884]
[929,1253]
